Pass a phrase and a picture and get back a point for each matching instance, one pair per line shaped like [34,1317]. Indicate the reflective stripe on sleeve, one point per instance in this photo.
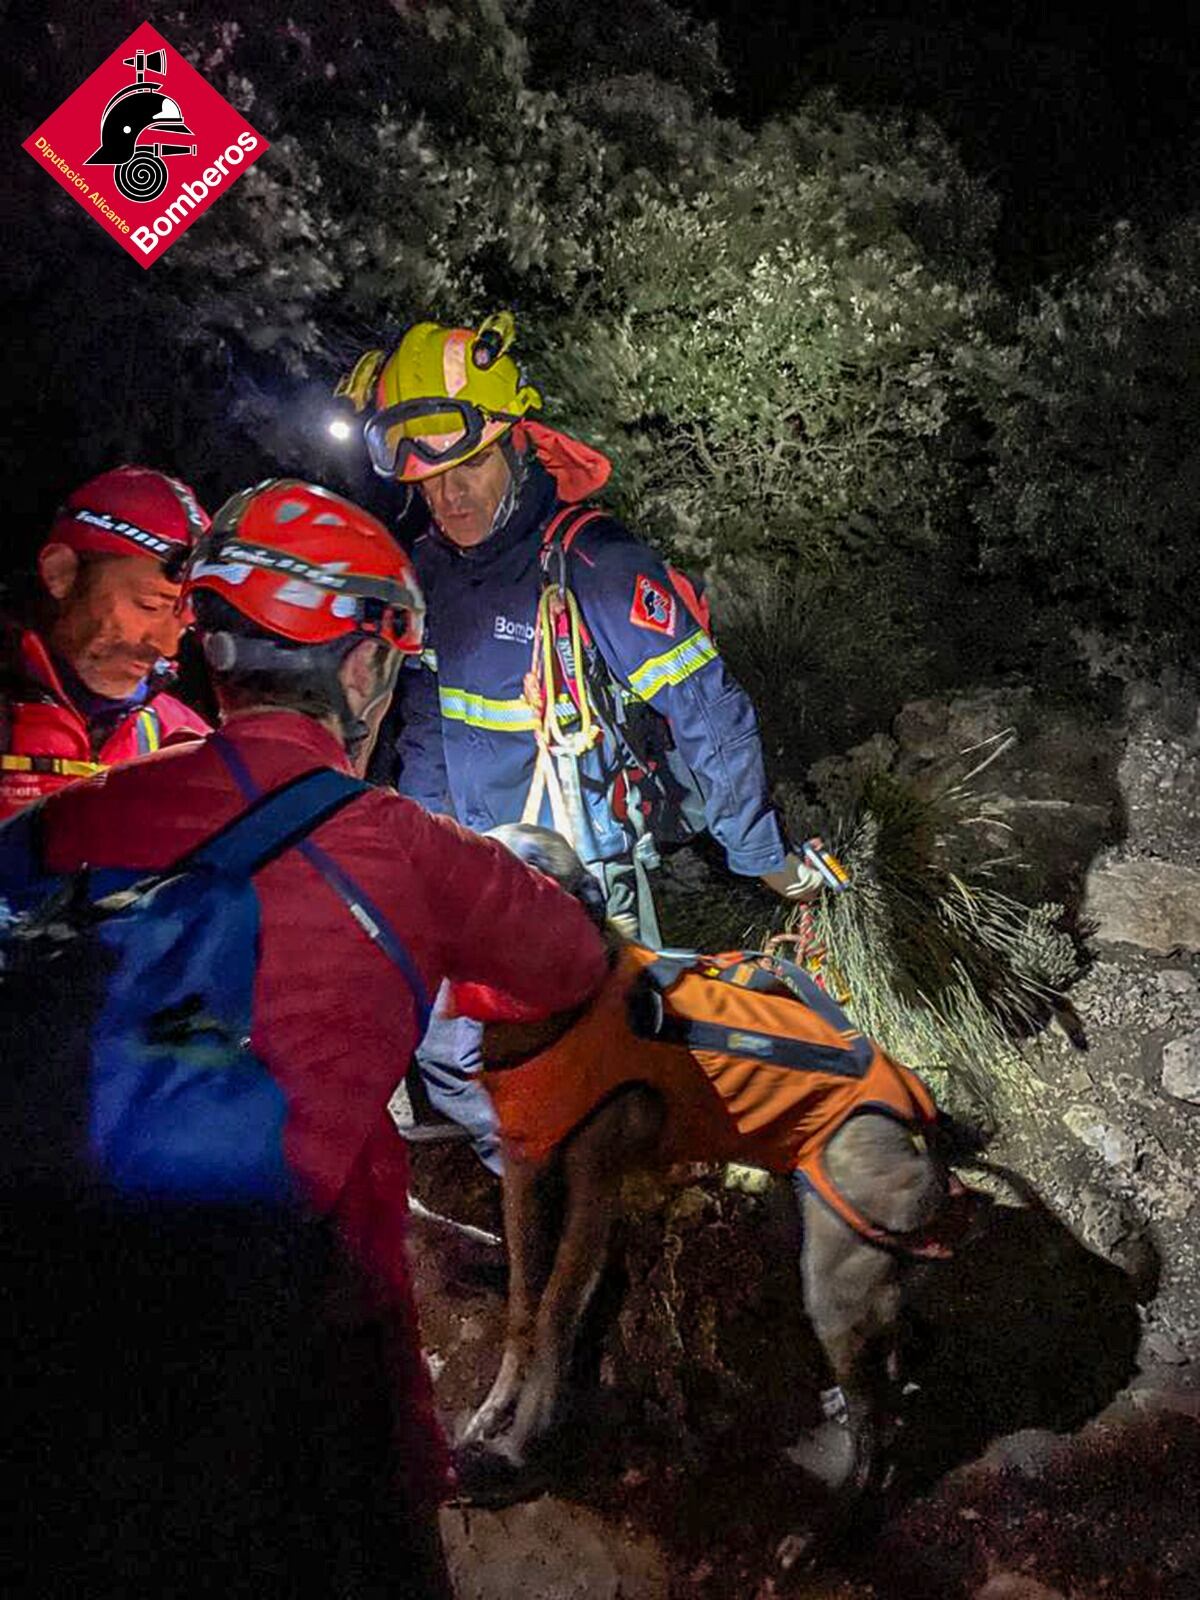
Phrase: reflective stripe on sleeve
[149,733]
[51,766]
[674,666]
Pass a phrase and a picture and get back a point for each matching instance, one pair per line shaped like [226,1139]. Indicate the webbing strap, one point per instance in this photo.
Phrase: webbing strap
[53,766]
[554,537]
[775,1049]
[853,1060]
[923,1243]
[273,822]
[668,969]
[361,907]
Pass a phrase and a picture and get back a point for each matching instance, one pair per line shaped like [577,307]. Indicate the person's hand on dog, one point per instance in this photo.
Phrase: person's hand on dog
[795,881]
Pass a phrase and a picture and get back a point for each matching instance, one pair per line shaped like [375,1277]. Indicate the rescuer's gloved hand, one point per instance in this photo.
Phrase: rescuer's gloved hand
[796,881]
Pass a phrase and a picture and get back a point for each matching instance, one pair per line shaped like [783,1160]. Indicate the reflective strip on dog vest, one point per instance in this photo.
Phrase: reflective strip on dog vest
[853,1060]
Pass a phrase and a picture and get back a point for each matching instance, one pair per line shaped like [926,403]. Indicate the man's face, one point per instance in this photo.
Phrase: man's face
[116,617]
[463,500]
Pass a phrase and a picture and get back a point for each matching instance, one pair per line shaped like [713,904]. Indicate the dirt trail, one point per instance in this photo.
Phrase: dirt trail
[1037,1459]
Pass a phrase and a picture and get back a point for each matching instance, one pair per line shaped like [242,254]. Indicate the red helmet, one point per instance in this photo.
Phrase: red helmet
[131,511]
[301,562]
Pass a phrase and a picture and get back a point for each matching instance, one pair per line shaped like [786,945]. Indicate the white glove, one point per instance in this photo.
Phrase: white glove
[796,881]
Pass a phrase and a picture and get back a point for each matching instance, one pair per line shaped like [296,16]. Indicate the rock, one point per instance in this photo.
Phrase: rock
[932,730]
[1177,983]
[875,754]
[1029,1452]
[1149,903]
[837,780]
[1112,1144]
[550,1550]
[1015,1586]
[1159,779]
[983,715]
[1105,1222]
[1159,1346]
[920,728]
[1181,1068]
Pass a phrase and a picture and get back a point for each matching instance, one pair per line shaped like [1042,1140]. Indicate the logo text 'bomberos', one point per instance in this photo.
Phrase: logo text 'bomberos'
[189,197]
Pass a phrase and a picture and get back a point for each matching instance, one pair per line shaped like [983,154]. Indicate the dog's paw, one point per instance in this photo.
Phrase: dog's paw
[826,1454]
[487,1477]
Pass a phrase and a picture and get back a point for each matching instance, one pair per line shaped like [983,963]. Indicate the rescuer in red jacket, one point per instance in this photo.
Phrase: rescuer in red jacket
[304,606]
[86,686]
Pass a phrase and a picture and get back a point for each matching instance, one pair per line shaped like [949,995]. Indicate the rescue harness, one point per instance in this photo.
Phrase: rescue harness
[557,691]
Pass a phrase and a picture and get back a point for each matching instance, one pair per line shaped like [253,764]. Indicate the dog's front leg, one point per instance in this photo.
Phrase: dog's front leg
[524,1231]
[619,1137]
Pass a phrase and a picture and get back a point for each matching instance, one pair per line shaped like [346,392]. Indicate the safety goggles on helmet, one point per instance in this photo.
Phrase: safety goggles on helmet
[462,429]
[441,396]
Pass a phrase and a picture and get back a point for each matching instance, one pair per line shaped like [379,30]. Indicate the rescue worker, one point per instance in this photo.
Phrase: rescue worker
[305,607]
[87,685]
[500,723]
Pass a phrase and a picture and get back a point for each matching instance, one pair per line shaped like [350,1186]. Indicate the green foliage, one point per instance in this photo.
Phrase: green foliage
[772,358]
[790,339]
[1095,481]
[937,964]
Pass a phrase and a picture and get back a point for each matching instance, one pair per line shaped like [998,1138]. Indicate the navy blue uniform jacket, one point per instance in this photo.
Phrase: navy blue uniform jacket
[466,745]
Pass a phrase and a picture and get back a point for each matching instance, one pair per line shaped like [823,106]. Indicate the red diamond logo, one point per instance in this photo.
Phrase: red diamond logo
[145,145]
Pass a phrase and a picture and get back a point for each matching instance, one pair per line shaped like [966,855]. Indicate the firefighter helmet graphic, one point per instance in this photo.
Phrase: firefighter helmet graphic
[140,108]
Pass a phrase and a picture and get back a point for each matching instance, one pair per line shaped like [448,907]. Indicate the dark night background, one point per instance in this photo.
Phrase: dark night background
[889,316]
[1078,114]
[1075,114]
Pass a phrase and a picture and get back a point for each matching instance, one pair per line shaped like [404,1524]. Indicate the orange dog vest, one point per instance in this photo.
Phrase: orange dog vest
[753,1066]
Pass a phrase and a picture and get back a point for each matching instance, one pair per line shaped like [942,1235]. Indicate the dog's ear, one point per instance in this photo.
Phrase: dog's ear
[511,1044]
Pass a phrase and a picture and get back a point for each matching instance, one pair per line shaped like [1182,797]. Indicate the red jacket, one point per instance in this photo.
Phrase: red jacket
[333,1020]
[45,742]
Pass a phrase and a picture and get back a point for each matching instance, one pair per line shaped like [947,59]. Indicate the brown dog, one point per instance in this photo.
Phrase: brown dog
[874,1162]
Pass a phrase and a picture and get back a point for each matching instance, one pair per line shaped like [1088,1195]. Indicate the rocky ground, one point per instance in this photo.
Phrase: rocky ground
[1052,1442]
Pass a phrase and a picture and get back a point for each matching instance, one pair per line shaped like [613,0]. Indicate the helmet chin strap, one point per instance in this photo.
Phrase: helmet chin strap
[518,472]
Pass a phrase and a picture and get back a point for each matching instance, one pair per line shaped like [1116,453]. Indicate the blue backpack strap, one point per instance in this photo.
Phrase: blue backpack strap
[274,823]
[361,907]
[670,966]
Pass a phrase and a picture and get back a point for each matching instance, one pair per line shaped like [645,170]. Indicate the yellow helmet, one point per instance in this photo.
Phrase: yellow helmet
[442,396]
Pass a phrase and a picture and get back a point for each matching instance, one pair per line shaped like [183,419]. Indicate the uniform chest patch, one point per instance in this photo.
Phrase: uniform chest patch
[653,606]
[506,628]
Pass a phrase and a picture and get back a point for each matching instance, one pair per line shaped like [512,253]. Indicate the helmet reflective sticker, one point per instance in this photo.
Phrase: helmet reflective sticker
[305,564]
